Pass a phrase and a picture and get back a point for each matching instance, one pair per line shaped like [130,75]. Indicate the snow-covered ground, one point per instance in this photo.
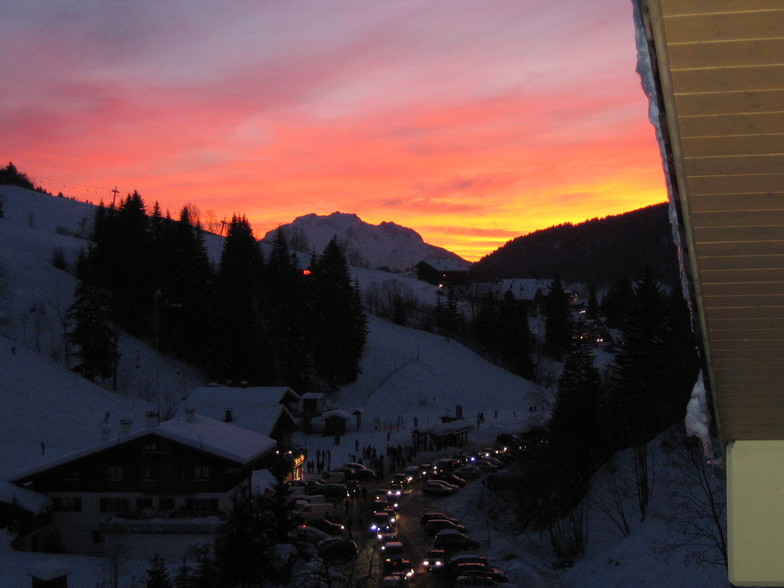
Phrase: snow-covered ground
[405,374]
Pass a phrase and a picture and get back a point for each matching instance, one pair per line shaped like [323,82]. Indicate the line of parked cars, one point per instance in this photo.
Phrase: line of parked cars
[452,557]
[396,566]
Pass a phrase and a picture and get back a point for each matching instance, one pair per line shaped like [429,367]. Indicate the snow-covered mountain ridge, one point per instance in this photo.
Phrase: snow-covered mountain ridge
[386,245]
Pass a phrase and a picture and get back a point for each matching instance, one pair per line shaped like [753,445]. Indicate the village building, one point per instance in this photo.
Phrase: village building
[442,272]
[172,482]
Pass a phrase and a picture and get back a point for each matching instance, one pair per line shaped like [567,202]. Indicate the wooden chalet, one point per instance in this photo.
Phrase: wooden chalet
[442,272]
[153,491]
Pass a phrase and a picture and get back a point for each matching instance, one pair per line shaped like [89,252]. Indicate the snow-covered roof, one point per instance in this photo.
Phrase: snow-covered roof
[219,438]
[206,434]
[338,412]
[254,394]
[460,426]
[23,498]
[312,395]
[51,569]
[255,409]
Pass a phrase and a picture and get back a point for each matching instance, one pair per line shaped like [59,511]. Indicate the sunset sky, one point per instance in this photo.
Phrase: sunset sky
[470,121]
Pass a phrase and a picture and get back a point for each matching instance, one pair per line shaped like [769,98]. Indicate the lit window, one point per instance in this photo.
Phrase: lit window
[201,472]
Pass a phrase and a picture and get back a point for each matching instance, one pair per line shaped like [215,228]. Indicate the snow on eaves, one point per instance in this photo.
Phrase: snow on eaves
[23,498]
[221,439]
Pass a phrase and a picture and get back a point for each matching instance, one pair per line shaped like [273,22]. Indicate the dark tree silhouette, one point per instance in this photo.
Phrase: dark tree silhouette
[339,322]
[92,333]
[240,339]
[558,324]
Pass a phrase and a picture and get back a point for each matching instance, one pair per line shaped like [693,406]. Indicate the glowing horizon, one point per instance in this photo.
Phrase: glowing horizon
[471,123]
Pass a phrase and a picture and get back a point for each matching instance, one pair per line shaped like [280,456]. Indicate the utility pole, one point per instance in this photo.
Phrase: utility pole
[114,195]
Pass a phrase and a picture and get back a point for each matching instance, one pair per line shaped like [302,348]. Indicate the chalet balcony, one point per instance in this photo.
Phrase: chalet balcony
[160,526]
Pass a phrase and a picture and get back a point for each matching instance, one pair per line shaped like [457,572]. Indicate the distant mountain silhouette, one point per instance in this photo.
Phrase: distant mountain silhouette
[597,251]
[386,245]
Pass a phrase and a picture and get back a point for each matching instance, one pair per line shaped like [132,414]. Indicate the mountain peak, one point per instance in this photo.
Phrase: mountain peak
[386,245]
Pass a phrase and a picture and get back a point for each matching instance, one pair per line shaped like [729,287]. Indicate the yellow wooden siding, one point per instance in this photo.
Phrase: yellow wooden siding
[722,72]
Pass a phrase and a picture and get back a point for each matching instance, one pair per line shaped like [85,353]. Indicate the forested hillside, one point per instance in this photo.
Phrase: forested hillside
[597,251]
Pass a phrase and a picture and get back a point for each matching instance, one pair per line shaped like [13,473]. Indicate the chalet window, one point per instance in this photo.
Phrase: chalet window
[201,472]
[97,537]
[115,472]
[67,503]
[114,504]
[150,472]
[201,504]
[142,503]
[166,503]
[156,447]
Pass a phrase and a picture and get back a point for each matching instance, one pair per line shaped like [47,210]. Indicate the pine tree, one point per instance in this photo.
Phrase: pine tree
[513,336]
[242,550]
[241,341]
[616,304]
[185,576]
[157,576]
[91,333]
[339,321]
[186,285]
[642,363]
[285,312]
[558,324]
[574,424]
[134,288]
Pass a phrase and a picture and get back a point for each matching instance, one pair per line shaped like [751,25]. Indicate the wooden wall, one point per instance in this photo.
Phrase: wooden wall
[721,68]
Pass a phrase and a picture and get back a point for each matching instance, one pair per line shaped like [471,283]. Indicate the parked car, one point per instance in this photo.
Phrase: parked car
[310,535]
[395,492]
[485,465]
[399,481]
[395,580]
[394,557]
[458,558]
[434,561]
[438,487]
[361,472]
[315,510]
[450,478]
[468,472]
[336,549]
[336,493]
[478,569]
[473,581]
[429,516]
[325,525]
[384,538]
[385,502]
[380,518]
[446,464]
[436,525]
[454,540]
[413,472]
[306,487]
[426,470]
[384,530]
